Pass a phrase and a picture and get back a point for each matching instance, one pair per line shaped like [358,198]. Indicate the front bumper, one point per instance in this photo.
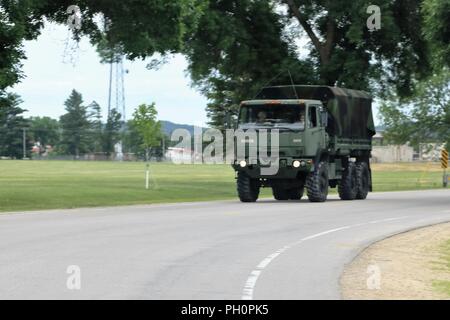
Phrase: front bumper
[286,169]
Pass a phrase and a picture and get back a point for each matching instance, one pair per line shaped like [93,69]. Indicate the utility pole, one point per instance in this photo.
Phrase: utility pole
[24,143]
[163,147]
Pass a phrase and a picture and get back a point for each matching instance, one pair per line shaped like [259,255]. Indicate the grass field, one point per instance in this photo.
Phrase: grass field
[34,185]
[443,286]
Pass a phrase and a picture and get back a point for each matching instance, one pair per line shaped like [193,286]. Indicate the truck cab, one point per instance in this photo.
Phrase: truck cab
[301,125]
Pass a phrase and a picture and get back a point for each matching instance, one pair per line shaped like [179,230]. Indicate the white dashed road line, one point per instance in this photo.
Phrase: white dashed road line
[252,279]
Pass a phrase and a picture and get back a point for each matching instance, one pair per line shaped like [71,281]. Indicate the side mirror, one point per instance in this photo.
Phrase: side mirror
[324,118]
[230,123]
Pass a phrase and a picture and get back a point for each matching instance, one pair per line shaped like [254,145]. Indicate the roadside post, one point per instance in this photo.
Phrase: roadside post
[444,164]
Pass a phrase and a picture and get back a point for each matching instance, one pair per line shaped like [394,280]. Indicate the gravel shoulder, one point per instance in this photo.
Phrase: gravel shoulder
[403,267]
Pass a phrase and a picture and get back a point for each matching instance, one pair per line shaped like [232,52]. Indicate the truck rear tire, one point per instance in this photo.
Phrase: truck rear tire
[248,189]
[280,194]
[362,180]
[317,183]
[296,193]
[348,186]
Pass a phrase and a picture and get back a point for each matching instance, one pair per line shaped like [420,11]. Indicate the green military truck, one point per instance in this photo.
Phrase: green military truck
[325,140]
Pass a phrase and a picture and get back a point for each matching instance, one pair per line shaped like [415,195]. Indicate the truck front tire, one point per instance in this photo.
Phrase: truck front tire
[348,187]
[317,183]
[248,189]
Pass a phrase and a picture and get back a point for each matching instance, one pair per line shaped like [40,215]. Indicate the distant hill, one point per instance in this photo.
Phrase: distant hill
[169,127]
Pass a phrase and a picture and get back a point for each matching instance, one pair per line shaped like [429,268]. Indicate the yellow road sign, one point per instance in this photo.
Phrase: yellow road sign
[444,159]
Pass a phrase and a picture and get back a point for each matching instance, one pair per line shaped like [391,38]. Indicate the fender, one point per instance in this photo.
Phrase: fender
[321,154]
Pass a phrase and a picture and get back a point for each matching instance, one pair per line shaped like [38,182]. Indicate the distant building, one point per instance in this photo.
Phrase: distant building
[40,150]
[392,153]
[179,155]
[378,139]
[430,151]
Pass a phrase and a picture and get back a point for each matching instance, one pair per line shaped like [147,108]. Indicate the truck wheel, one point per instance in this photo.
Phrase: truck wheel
[348,186]
[248,189]
[317,183]
[362,180]
[280,194]
[296,193]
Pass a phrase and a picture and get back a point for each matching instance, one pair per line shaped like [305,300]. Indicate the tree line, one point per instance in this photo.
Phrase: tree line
[235,47]
[80,130]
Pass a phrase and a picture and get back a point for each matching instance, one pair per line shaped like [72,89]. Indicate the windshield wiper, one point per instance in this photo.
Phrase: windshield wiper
[255,127]
[288,128]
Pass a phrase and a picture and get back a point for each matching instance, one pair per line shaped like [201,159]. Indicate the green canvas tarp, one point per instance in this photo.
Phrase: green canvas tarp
[350,111]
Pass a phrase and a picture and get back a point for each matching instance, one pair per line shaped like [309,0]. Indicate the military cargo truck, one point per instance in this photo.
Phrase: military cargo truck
[325,141]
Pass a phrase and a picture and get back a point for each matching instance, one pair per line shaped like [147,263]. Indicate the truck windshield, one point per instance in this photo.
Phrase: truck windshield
[281,116]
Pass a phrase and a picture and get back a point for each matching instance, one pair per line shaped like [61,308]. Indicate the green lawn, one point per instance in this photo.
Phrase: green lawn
[406,176]
[440,285]
[34,185]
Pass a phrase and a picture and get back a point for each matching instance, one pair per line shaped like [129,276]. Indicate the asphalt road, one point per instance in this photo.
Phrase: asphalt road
[215,250]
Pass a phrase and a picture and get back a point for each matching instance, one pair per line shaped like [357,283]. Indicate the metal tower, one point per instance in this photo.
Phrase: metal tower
[116,96]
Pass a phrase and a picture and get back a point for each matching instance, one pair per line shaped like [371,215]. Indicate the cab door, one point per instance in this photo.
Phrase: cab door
[314,132]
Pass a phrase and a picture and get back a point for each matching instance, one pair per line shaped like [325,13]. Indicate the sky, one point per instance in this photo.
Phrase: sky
[51,76]
[52,70]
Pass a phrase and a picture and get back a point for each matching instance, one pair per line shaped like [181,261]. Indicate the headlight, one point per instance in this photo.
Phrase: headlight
[296,164]
[243,163]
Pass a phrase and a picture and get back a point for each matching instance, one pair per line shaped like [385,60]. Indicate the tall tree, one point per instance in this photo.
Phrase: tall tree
[12,125]
[241,45]
[140,28]
[111,133]
[425,115]
[16,25]
[348,54]
[436,15]
[95,116]
[423,118]
[76,126]
[132,140]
